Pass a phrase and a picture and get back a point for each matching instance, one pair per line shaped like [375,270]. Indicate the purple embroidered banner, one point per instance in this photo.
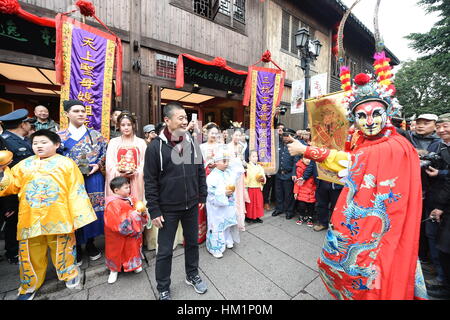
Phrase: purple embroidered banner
[88,70]
[265,94]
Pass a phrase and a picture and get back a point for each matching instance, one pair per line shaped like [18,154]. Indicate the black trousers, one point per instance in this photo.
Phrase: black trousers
[326,198]
[423,241]
[444,259]
[166,237]
[285,196]
[7,204]
[269,190]
[305,209]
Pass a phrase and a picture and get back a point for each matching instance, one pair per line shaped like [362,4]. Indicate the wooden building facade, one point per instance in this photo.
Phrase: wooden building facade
[155,32]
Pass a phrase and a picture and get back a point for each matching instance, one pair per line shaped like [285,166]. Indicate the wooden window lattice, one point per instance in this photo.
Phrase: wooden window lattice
[166,66]
[203,7]
[238,9]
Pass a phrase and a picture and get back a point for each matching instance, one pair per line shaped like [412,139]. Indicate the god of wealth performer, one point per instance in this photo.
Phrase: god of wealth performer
[371,246]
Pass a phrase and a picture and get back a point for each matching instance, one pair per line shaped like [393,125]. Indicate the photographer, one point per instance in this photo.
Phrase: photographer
[436,166]
[441,214]
[425,141]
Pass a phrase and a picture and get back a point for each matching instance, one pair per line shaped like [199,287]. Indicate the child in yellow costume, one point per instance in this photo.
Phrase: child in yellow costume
[53,204]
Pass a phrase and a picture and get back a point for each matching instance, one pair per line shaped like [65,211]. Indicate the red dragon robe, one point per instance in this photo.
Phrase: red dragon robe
[371,247]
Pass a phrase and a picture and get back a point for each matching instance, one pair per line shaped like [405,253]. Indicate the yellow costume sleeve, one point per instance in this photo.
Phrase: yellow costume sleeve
[332,160]
[79,205]
[10,183]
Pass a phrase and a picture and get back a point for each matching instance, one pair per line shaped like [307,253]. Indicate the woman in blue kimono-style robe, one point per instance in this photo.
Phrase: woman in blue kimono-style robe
[93,145]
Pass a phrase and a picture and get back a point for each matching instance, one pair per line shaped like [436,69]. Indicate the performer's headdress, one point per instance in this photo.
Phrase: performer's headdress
[366,87]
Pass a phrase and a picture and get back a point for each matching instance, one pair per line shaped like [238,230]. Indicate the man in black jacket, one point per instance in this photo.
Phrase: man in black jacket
[441,213]
[175,188]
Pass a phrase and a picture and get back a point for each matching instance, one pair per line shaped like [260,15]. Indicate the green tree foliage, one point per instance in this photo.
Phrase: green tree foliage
[424,85]
[421,88]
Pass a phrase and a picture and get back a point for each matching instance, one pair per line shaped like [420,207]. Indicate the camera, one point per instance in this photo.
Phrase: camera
[283,110]
[432,159]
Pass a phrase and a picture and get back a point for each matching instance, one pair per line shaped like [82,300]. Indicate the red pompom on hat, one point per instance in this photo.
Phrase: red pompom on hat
[362,79]
[9,6]
[86,8]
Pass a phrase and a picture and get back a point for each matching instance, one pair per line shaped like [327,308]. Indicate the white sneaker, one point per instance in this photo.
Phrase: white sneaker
[217,255]
[138,270]
[112,277]
[229,246]
[72,284]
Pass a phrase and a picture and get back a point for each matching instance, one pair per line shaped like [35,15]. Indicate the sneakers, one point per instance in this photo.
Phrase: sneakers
[198,284]
[309,222]
[26,296]
[138,270]
[14,260]
[112,277]
[72,284]
[299,222]
[319,227]
[164,295]
[229,246]
[217,255]
[93,252]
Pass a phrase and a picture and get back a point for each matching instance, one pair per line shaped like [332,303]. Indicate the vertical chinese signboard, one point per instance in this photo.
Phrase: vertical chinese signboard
[88,65]
[264,89]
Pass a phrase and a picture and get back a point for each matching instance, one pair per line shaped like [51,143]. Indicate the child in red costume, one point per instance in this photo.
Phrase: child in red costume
[123,230]
[304,192]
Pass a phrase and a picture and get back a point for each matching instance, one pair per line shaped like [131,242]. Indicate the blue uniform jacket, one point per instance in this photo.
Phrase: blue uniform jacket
[21,148]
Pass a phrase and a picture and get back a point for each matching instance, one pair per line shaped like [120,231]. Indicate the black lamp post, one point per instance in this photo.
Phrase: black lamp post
[309,51]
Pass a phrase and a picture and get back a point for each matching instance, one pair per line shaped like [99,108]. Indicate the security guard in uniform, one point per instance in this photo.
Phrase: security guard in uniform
[17,127]
[284,179]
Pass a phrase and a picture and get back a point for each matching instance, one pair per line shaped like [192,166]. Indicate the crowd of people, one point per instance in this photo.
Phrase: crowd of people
[178,184]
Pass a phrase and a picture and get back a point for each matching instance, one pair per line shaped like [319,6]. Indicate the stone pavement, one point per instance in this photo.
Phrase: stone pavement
[275,260]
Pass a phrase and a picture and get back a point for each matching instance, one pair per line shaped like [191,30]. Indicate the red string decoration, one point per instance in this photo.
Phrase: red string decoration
[9,6]
[86,8]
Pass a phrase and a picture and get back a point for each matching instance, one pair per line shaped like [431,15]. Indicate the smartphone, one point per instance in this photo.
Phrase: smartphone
[194,117]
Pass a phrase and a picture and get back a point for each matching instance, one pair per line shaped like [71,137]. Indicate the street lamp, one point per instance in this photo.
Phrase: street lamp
[309,51]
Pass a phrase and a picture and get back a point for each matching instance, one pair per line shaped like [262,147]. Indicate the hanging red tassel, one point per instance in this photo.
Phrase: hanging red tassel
[86,8]
[266,57]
